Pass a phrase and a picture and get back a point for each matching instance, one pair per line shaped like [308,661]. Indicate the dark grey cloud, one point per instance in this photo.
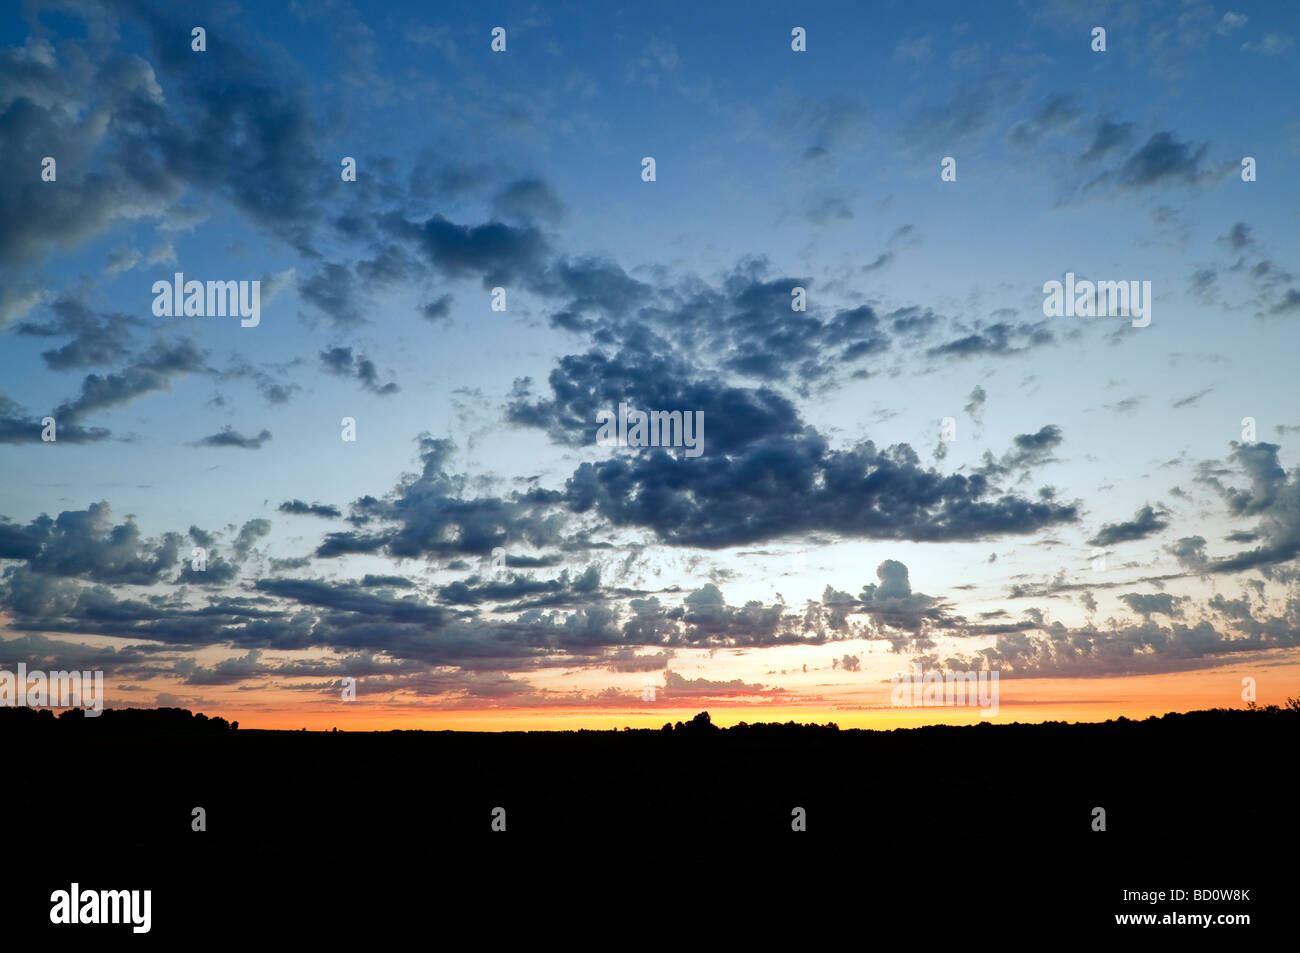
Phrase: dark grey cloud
[341,362]
[680,687]
[18,542]
[974,406]
[497,253]
[1191,398]
[1147,521]
[371,580]
[428,515]
[1145,605]
[38,652]
[783,485]
[1189,551]
[1272,496]
[97,339]
[1238,237]
[593,285]
[998,339]
[1161,161]
[298,507]
[271,380]
[17,425]
[742,324]
[629,660]
[151,371]
[438,309]
[912,323]
[524,592]
[582,385]
[764,474]
[354,598]
[88,545]
[229,437]
[890,603]
[1028,450]
[1289,303]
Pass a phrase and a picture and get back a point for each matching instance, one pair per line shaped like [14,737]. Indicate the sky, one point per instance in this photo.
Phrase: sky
[922,467]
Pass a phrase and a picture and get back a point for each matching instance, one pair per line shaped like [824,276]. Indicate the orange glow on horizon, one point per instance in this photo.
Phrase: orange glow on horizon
[1021,700]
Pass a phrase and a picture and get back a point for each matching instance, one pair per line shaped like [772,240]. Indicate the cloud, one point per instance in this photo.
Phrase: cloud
[1230,21]
[1273,497]
[916,49]
[1162,160]
[584,384]
[334,289]
[833,208]
[891,604]
[780,485]
[426,515]
[1141,648]
[87,544]
[152,371]
[726,343]
[1189,551]
[1145,522]
[1107,136]
[1145,605]
[629,660]
[497,253]
[229,437]
[680,687]
[19,426]
[820,127]
[1191,399]
[1287,304]
[1028,450]
[352,598]
[998,339]
[1238,237]
[298,507]
[127,152]
[41,653]
[271,380]
[97,339]
[654,65]
[341,362]
[1273,44]
[437,309]
[527,201]
[1054,114]
[524,592]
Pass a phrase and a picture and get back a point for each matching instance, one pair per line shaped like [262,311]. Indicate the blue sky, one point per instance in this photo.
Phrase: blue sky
[522,170]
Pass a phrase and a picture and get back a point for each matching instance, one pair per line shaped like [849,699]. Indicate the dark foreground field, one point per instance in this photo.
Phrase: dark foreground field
[953,832]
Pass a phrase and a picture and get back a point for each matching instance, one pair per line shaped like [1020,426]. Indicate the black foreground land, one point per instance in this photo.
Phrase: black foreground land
[980,828]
